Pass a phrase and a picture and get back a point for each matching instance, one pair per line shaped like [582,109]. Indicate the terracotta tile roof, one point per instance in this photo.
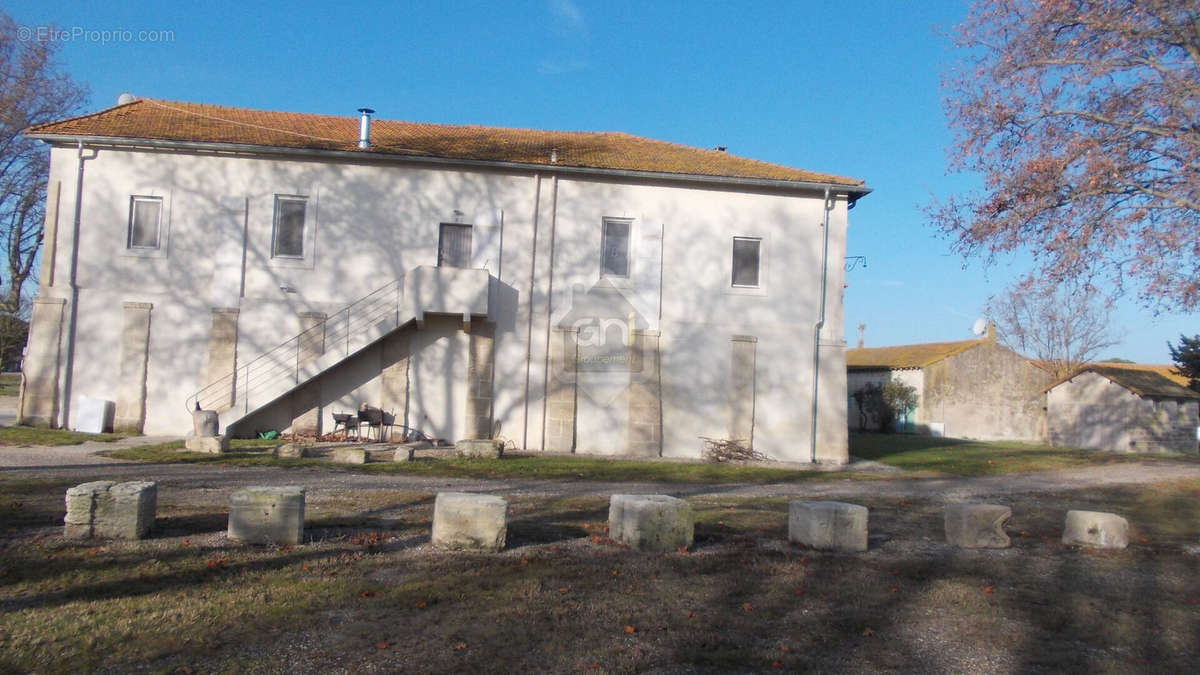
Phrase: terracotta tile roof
[1143,380]
[905,356]
[202,123]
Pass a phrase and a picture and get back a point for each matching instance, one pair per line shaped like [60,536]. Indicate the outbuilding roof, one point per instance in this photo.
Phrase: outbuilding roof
[906,356]
[153,120]
[1145,381]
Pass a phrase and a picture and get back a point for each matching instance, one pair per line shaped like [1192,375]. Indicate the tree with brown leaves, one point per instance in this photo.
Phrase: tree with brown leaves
[1083,119]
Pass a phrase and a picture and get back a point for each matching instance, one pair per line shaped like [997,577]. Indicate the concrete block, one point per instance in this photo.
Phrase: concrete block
[407,451]
[481,448]
[81,505]
[976,525]
[650,522]
[469,521]
[1096,529]
[349,456]
[267,515]
[92,415]
[206,423]
[835,526]
[291,451]
[211,445]
[127,511]
[109,509]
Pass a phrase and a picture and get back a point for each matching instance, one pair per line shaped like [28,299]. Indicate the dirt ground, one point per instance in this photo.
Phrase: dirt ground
[367,593]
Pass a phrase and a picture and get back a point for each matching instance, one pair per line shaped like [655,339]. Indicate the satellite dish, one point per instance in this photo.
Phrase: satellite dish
[979,327]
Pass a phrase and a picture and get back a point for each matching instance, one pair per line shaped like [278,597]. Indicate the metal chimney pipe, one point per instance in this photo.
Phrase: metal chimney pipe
[364,128]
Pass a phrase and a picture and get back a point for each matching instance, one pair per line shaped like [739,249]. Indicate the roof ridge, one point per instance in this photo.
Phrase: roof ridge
[924,344]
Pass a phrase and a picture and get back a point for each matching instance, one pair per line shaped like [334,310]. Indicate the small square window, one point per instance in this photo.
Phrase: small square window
[288,239]
[145,222]
[746,253]
[614,260]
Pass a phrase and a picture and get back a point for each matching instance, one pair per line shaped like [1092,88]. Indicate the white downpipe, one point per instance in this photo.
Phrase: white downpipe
[537,206]
[819,326]
[73,315]
[549,308]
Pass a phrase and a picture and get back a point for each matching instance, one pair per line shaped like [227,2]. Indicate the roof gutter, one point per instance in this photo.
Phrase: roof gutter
[853,192]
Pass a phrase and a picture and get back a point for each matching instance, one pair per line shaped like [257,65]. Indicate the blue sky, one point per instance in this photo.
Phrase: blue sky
[850,88]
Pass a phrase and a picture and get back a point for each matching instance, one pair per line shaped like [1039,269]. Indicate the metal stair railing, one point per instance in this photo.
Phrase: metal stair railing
[281,368]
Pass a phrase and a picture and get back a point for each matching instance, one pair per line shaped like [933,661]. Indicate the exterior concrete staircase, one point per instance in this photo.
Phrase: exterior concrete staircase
[285,367]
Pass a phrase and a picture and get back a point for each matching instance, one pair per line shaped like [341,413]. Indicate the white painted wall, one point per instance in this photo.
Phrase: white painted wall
[538,235]
[913,377]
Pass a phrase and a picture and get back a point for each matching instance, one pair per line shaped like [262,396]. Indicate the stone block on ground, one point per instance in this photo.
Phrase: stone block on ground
[267,515]
[1096,529]
[111,510]
[466,521]
[81,507]
[212,445]
[206,423]
[407,451]
[291,451]
[127,511]
[834,526]
[479,448]
[349,456]
[650,522]
[976,525]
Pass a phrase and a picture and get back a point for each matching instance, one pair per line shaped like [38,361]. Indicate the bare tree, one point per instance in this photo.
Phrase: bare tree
[1062,326]
[32,91]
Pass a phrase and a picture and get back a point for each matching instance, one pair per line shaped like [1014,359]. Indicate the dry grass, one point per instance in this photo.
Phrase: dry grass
[959,457]
[367,592]
[513,465]
[27,436]
[10,385]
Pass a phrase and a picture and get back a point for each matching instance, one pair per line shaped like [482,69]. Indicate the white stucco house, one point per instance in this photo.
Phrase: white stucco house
[565,291]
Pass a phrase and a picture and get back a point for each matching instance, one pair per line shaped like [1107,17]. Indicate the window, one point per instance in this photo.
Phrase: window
[746,261]
[145,222]
[614,258]
[288,238]
[454,245]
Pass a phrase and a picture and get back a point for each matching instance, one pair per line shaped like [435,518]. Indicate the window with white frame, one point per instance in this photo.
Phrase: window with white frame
[145,223]
[747,254]
[614,257]
[287,241]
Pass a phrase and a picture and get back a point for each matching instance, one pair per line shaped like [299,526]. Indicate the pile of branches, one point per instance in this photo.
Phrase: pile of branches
[729,450]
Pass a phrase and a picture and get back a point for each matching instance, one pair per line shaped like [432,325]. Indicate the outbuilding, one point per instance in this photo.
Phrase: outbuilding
[1122,409]
[967,389]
